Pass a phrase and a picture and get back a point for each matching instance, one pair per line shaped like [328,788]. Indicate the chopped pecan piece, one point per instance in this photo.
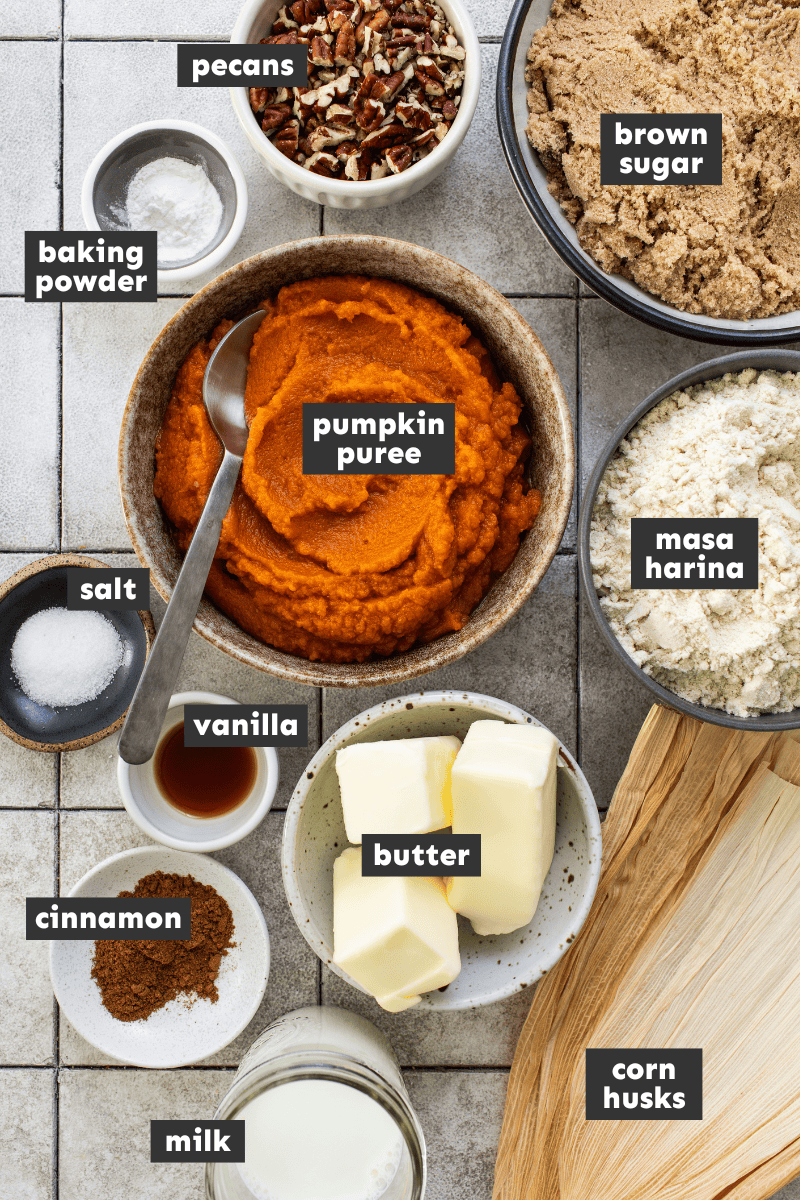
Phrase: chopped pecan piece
[387,135]
[258,99]
[287,139]
[320,53]
[385,89]
[411,21]
[323,163]
[345,49]
[327,135]
[275,116]
[399,158]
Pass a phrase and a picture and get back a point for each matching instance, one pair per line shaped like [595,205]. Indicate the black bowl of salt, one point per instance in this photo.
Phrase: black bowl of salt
[66,677]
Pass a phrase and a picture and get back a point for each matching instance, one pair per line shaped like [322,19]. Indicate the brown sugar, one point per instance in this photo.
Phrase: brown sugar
[728,251]
[136,978]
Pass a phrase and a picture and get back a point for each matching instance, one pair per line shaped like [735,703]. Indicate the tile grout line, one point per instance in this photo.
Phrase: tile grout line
[433,1068]
[60,427]
[60,538]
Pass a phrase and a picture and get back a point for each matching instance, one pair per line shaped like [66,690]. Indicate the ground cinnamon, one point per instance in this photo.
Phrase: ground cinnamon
[137,978]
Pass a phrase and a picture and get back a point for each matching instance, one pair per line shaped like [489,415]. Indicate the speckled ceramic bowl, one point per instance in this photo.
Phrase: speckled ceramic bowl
[491,967]
[519,357]
[180,1032]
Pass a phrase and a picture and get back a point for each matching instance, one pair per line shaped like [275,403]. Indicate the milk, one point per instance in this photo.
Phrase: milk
[327,1116]
[318,1140]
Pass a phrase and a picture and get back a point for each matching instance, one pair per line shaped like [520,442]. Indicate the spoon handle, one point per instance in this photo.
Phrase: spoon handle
[146,714]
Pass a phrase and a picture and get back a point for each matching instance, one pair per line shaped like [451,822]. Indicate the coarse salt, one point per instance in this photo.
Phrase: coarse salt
[62,658]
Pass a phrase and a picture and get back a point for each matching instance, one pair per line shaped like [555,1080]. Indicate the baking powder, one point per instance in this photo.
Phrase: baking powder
[179,201]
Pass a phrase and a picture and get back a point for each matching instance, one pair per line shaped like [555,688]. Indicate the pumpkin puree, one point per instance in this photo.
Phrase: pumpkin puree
[340,568]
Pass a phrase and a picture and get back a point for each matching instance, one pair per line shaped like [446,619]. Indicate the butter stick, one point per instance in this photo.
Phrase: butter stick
[397,937]
[504,788]
[401,786]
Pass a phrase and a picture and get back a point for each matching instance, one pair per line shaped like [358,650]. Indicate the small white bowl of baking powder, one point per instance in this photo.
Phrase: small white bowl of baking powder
[176,178]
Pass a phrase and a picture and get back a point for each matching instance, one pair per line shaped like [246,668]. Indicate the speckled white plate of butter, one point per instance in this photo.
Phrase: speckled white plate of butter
[492,968]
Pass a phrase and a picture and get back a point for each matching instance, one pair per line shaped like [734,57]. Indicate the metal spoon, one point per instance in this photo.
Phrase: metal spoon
[223,395]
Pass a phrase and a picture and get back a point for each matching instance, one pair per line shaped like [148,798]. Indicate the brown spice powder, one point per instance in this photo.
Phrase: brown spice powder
[137,978]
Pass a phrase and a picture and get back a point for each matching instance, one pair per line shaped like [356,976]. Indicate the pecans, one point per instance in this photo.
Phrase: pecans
[384,86]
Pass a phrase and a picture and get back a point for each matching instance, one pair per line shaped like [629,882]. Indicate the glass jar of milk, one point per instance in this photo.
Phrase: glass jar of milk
[327,1116]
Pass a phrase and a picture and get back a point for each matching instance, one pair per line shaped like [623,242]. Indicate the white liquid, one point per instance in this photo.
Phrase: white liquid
[318,1140]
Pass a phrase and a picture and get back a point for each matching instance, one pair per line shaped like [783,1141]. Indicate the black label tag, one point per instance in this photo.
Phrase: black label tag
[85,267]
[644,1085]
[197,1141]
[379,439]
[399,854]
[694,555]
[669,148]
[216,64]
[108,590]
[245,725]
[116,919]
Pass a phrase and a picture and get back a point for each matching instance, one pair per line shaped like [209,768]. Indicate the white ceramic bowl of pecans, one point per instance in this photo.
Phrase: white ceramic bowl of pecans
[393,86]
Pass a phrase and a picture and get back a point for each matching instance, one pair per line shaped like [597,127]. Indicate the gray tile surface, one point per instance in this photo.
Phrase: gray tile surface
[208,19]
[489,16]
[31,107]
[141,78]
[39,20]
[472,212]
[104,1142]
[555,322]
[26,997]
[29,421]
[478,1038]
[26,1118]
[531,661]
[104,345]
[549,659]
[461,1114]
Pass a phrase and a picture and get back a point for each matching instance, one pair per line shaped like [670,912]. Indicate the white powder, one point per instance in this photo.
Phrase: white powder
[62,658]
[179,201]
[729,448]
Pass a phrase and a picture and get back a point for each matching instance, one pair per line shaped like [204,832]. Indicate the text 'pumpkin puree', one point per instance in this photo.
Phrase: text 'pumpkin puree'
[339,568]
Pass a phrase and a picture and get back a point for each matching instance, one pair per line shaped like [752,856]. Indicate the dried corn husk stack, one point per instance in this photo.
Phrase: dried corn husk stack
[693,941]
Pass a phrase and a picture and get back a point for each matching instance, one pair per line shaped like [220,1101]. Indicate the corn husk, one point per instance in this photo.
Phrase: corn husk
[693,941]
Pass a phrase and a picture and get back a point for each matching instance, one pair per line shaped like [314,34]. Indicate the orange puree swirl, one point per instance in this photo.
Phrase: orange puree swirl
[342,568]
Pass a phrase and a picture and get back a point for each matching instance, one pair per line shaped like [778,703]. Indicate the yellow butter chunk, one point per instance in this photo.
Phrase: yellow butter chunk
[398,938]
[396,787]
[504,788]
